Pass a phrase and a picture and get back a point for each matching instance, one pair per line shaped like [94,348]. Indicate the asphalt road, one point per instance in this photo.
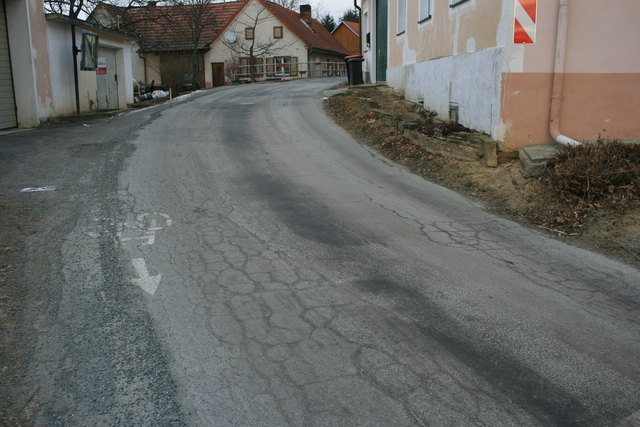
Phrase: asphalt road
[237,259]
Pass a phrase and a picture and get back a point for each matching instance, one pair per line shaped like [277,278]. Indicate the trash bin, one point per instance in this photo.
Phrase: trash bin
[354,69]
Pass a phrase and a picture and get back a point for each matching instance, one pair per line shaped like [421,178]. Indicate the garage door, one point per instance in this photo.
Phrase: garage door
[7,102]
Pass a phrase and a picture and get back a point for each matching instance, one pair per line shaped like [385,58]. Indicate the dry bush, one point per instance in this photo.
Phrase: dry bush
[592,173]
[441,128]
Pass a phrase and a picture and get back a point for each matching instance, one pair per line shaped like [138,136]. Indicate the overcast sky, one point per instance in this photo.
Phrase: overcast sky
[334,7]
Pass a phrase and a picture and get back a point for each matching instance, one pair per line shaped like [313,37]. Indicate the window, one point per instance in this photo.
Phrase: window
[243,69]
[454,3]
[277,32]
[365,17]
[283,65]
[402,16]
[425,10]
[249,33]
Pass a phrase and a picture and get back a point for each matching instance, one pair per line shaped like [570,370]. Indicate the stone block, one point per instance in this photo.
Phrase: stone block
[534,159]
[490,153]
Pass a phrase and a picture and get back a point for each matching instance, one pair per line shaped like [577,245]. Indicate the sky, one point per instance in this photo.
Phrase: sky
[335,7]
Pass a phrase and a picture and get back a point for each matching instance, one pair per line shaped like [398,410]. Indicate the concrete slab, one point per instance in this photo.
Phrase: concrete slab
[535,158]
[541,153]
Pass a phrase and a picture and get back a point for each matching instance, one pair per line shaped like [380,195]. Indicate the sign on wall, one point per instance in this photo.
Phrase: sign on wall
[102,66]
[524,25]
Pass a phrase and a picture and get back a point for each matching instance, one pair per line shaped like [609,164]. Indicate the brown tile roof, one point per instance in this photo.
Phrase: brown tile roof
[353,26]
[314,36]
[168,28]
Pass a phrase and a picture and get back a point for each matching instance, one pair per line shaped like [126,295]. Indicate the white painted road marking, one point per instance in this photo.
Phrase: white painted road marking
[147,239]
[38,189]
[166,217]
[147,283]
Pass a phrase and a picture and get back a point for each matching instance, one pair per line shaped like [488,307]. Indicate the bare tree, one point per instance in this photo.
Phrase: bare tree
[81,8]
[251,44]
[319,11]
[289,4]
[192,24]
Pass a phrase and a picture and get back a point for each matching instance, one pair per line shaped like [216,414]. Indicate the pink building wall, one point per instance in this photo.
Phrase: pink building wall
[601,97]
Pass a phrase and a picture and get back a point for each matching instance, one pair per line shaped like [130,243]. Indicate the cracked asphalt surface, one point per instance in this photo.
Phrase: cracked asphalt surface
[304,280]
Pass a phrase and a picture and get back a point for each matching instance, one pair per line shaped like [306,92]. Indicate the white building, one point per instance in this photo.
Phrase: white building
[37,67]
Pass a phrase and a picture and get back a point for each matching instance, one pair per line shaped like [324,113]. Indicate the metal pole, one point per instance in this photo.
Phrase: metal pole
[75,50]
[355,4]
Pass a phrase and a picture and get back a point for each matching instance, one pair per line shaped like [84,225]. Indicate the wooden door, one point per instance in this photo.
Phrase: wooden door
[217,74]
[107,79]
[381,40]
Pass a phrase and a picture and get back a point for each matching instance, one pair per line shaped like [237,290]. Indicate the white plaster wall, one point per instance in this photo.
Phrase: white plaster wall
[289,45]
[22,62]
[61,71]
[471,80]
[367,51]
[153,68]
[61,63]
[137,62]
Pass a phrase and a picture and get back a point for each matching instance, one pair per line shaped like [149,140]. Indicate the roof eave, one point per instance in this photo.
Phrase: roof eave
[63,19]
[326,51]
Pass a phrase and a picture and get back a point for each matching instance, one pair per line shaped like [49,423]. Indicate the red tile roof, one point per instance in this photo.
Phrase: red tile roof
[168,28]
[314,35]
[353,26]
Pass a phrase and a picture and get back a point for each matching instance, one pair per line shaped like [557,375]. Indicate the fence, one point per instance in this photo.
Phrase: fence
[287,70]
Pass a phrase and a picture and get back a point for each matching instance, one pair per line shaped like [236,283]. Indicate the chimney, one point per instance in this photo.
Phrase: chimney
[305,13]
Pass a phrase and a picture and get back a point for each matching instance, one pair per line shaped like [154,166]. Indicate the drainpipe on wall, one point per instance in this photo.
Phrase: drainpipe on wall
[355,4]
[75,50]
[144,64]
[558,77]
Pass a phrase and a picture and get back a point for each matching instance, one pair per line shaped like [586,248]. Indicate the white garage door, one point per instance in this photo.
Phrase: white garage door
[7,102]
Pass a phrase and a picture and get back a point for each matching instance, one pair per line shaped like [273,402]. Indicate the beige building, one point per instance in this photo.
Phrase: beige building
[37,66]
[580,80]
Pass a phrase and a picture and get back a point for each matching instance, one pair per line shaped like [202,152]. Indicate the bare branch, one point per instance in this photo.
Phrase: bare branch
[257,46]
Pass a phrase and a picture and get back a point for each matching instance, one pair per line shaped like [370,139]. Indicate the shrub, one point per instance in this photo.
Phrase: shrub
[590,173]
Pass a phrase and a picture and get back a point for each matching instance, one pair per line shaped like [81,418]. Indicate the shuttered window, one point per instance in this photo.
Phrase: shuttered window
[271,69]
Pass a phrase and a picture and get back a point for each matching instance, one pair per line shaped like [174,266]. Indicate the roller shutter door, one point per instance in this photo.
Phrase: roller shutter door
[7,101]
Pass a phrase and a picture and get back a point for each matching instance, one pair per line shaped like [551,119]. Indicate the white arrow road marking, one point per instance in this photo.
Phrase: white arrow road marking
[149,284]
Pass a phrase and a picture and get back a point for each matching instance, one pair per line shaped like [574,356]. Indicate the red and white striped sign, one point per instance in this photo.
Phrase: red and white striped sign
[524,25]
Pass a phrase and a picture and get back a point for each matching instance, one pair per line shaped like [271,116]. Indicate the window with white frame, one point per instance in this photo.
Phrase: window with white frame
[283,65]
[425,10]
[402,16]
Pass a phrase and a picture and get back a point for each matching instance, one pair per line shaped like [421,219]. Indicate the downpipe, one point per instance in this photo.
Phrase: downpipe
[359,9]
[558,77]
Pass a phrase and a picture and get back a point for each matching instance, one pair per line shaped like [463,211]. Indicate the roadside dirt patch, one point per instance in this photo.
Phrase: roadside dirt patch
[18,221]
[454,157]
